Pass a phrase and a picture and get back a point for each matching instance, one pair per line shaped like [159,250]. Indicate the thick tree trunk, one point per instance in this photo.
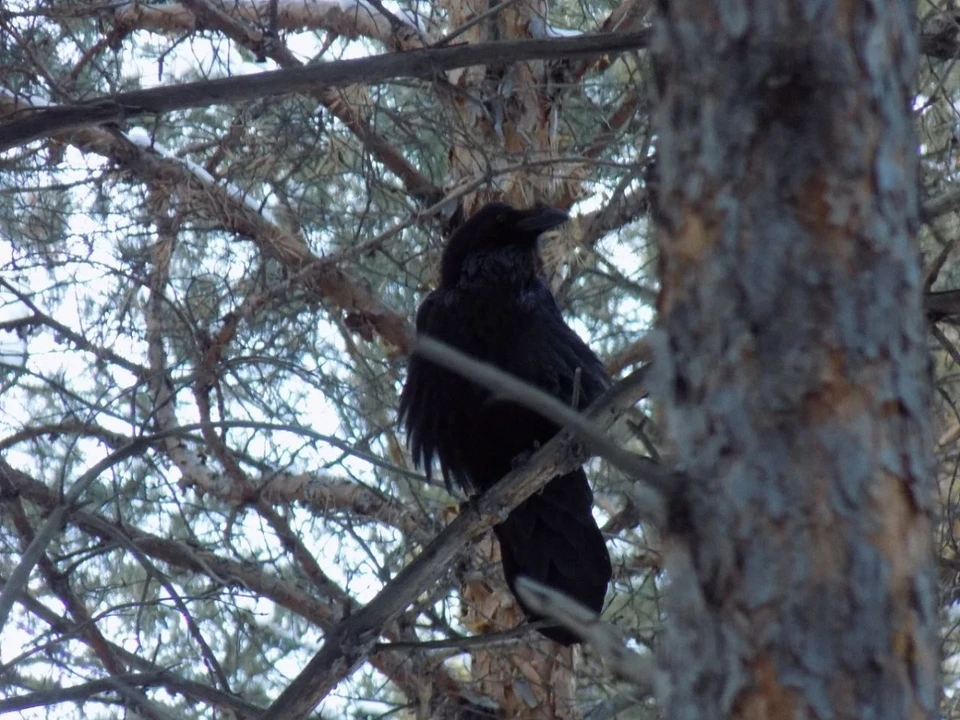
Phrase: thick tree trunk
[793,362]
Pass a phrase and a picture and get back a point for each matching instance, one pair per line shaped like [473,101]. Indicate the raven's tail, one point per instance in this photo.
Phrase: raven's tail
[552,538]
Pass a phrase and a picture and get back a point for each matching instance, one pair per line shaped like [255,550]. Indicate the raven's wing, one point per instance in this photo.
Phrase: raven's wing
[547,352]
[436,404]
[552,536]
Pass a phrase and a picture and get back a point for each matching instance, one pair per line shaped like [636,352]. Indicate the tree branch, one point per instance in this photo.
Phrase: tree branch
[350,642]
[589,432]
[638,670]
[334,16]
[424,64]
[78,693]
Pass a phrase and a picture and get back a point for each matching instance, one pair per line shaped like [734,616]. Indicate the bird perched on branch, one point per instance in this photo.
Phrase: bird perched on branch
[492,304]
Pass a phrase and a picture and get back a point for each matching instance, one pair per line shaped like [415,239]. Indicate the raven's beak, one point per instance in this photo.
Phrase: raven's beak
[541,219]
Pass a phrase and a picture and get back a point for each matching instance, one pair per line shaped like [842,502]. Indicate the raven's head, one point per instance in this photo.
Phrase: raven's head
[494,226]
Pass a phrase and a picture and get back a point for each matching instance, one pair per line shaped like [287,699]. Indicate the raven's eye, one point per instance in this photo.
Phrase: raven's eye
[501,218]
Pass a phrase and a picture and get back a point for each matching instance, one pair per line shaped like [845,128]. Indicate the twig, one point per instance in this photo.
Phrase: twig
[51,526]
[933,271]
[496,9]
[396,24]
[637,669]
[464,644]
[945,343]
[577,379]
[78,693]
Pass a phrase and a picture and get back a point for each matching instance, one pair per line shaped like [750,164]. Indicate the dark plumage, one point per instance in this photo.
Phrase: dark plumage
[493,305]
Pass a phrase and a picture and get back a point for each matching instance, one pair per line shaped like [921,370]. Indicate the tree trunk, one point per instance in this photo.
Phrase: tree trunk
[792,362]
[506,118]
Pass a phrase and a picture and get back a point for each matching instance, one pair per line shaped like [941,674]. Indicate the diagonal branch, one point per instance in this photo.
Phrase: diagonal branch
[508,387]
[637,669]
[79,693]
[321,279]
[350,642]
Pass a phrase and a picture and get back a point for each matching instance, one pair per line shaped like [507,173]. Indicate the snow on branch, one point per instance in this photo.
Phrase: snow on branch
[348,18]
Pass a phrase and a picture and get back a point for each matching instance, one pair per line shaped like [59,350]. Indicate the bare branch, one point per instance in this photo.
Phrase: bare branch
[423,64]
[474,21]
[78,693]
[509,387]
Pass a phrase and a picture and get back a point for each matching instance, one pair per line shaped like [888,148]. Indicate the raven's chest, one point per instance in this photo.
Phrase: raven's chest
[491,323]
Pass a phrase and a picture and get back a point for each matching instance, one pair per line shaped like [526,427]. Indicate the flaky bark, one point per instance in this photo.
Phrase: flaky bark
[506,113]
[793,362]
[346,19]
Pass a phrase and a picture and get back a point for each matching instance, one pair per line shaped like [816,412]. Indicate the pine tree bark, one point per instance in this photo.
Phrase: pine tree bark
[792,362]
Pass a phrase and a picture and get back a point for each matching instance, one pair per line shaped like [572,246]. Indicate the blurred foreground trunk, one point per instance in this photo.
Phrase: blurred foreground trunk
[792,362]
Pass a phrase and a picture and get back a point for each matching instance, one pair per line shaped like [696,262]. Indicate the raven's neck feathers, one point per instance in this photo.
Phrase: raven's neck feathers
[511,265]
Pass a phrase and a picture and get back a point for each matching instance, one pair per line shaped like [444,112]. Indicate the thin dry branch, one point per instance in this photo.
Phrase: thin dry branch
[508,387]
[80,692]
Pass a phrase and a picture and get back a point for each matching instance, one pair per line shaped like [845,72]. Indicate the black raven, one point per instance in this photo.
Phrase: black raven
[493,305]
